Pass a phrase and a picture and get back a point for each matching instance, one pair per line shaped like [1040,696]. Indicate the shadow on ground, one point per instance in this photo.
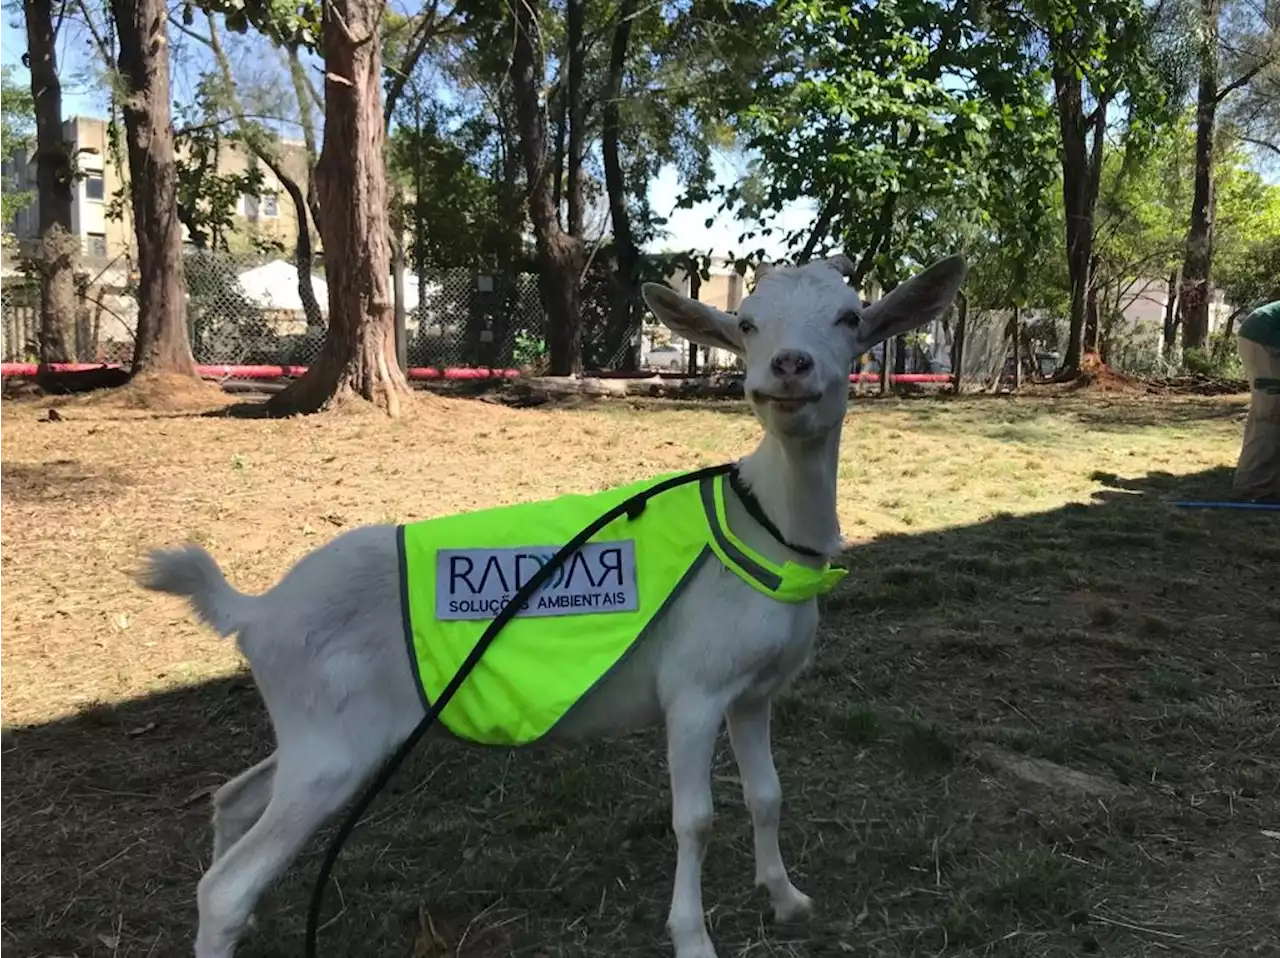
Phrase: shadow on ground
[1043,735]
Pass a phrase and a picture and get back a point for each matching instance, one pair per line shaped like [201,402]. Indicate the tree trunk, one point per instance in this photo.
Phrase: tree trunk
[397,280]
[1092,335]
[358,358]
[265,149]
[560,254]
[303,255]
[560,129]
[1199,256]
[302,93]
[162,344]
[627,257]
[576,111]
[54,172]
[1171,315]
[1079,194]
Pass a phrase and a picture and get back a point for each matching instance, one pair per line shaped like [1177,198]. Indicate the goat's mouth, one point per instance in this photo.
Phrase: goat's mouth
[785,403]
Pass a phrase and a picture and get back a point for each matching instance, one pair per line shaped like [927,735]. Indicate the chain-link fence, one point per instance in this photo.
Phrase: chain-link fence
[249,310]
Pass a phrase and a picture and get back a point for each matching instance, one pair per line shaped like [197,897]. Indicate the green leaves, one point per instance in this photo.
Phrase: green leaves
[283,22]
[17,135]
[909,119]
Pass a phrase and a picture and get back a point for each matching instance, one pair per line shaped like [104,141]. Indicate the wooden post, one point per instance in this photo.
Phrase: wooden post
[957,363]
[1017,348]
[695,291]
[397,284]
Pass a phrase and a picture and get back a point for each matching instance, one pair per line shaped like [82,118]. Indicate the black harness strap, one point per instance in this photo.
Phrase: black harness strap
[756,511]
[631,508]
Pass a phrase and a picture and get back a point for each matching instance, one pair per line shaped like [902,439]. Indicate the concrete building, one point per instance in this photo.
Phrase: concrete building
[724,289]
[107,240]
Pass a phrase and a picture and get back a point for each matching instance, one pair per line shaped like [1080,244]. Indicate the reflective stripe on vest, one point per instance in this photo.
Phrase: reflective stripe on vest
[458,571]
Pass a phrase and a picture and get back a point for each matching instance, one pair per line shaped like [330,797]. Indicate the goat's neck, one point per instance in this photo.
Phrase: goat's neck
[795,483]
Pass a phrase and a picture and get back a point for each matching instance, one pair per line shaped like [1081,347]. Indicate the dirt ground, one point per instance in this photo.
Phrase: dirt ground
[1043,720]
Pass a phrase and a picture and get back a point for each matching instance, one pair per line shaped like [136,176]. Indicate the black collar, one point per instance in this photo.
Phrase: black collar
[756,511]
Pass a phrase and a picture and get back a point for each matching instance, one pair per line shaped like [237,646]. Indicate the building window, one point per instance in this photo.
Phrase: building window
[266,206]
[94,188]
[96,244]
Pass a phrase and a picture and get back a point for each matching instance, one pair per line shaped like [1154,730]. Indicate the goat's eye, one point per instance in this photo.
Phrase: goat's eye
[746,326]
[850,319]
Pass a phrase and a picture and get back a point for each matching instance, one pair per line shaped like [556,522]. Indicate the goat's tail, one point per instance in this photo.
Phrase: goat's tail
[191,572]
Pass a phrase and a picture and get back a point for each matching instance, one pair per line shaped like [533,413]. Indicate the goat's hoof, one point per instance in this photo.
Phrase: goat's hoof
[795,905]
[692,944]
[701,949]
[205,950]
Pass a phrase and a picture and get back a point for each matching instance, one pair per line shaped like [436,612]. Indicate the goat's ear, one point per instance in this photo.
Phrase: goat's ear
[918,301]
[695,321]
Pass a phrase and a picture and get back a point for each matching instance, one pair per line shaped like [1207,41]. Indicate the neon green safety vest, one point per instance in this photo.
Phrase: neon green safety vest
[458,572]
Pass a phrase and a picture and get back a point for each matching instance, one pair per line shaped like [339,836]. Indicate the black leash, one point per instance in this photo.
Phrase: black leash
[756,511]
[631,508]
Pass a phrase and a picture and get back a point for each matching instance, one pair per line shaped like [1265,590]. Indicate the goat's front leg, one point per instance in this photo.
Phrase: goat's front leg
[749,735]
[691,743]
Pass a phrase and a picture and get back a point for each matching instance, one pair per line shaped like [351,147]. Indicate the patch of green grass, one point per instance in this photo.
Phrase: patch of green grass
[1104,616]
[1269,551]
[1032,882]
[1172,685]
[965,925]
[924,746]
[794,708]
[1121,540]
[859,725]
[965,586]
[1028,434]
[1185,534]
[1026,741]
[576,788]
[965,622]
[1124,646]
[978,646]
[1089,738]
[913,576]
[1029,889]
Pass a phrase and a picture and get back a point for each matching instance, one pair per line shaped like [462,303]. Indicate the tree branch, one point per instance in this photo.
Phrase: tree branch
[256,139]
[820,227]
[1266,144]
[426,29]
[1244,78]
[98,39]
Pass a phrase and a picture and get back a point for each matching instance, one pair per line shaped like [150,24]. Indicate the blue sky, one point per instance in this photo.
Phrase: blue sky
[686,229]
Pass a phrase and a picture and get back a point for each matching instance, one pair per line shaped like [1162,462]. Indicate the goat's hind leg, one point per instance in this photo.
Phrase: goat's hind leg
[307,790]
[239,803]
[749,736]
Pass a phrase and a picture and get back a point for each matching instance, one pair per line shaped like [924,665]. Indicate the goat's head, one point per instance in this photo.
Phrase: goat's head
[800,330]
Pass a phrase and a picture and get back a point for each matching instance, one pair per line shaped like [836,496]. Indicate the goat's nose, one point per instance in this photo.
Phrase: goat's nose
[791,362]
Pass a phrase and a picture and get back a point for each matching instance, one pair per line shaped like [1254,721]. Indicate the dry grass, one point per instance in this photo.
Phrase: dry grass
[1006,594]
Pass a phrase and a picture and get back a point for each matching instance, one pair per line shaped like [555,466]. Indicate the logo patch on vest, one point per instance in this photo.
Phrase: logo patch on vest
[478,583]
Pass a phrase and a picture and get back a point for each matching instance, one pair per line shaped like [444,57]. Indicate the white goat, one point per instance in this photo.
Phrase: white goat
[327,647]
